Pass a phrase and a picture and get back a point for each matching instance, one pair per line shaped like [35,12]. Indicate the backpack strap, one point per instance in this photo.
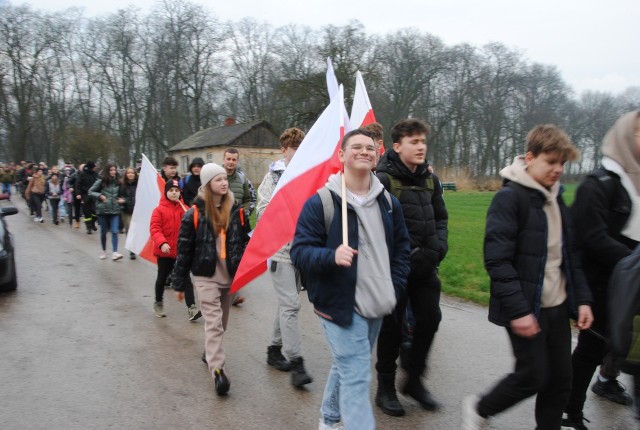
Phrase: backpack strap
[396,186]
[327,206]
[607,182]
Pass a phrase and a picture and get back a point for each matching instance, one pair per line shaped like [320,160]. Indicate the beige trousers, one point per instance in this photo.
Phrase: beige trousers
[215,302]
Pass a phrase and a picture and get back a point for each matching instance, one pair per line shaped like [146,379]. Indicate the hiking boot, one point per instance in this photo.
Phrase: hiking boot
[612,390]
[158,309]
[336,426]
[386,397]
[574,422]
[77,224]
[471,419]
[299,376]
[115,256]
[276,359]
[103,255]
[414,388]
[237,300]
[221,381]
[194,313]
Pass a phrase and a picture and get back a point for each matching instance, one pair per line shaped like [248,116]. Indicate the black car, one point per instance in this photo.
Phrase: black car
[8,277]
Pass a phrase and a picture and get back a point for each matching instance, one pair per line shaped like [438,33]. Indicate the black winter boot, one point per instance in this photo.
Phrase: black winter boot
[299,376]
[276,359]
[386,397]
[415,389]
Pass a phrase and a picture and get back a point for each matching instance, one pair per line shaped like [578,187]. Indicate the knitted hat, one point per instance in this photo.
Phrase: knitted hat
[196,162]
[171,183]
[210,171]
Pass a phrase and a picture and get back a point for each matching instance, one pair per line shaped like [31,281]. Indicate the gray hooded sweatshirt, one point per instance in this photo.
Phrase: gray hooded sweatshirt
[375,295]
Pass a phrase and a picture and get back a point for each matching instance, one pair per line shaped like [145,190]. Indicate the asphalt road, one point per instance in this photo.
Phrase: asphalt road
[80,348]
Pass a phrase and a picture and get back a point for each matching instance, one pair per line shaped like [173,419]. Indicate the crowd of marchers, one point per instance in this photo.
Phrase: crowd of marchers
[372,275]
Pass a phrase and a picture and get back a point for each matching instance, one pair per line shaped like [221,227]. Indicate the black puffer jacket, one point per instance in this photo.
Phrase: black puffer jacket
[197,249]
[600,211]
[128,191]
[425,214]
[515,256]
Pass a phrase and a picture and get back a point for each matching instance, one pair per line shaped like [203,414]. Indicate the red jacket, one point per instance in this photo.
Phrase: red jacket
[165,226]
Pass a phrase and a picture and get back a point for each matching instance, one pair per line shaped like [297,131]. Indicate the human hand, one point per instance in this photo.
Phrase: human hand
[526,326]
[103,199]
[180,295]
[585,317]
[344,255]
[165,248]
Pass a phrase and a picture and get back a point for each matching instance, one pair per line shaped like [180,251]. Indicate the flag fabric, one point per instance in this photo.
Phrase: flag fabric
[332,81]
[150,188]
[315,160]
[361,110]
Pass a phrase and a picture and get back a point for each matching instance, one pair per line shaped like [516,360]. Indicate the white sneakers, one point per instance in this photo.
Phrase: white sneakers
[336,426]
[115,256]
[471,420]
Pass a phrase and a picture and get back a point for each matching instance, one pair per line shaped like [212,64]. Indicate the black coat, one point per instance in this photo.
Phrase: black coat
[424,213]
[85,181]
[128,191]
[197,249]
[600,211]
[515,257]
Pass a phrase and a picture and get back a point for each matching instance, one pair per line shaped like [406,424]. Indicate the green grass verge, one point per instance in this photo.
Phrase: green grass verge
[462,272]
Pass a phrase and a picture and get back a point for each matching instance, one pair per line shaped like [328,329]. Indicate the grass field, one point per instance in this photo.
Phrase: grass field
[462,272]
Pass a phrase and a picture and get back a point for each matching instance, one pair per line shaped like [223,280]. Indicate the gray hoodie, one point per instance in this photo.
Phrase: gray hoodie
[554,291]
[375,295]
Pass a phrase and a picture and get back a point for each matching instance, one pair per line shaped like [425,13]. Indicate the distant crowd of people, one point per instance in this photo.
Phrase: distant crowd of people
[372,274]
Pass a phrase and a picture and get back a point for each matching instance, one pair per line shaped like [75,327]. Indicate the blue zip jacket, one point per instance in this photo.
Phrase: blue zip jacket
[332,288]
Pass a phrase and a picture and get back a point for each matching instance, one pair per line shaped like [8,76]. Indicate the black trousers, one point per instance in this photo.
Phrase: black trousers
[165,266]
[543,367]
[77,209]
[424,295]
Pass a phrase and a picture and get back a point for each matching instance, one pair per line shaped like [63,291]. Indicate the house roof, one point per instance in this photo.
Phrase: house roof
[224,135]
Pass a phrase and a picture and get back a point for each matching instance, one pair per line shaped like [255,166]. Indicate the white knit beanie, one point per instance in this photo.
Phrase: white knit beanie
[210,171]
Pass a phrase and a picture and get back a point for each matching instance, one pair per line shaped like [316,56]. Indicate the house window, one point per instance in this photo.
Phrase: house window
[184,163]
[209,157]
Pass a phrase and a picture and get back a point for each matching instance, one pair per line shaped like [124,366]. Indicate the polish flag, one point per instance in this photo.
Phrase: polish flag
[150,188]
[315,160]
[332,80]
[361,110]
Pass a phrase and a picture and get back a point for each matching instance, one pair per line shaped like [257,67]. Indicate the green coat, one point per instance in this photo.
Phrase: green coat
[112,192]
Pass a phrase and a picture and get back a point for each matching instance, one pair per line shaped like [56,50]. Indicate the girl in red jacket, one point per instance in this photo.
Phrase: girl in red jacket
[164,229]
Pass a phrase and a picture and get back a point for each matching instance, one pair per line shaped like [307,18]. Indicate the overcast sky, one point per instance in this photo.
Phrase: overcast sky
[594,44]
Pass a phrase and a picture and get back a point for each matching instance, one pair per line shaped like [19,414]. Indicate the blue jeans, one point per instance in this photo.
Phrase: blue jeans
[109,222]
[346,395]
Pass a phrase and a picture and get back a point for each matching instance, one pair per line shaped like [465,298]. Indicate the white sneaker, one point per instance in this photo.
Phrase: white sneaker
[116,256]
[471,420]
[103,255]
[336,426]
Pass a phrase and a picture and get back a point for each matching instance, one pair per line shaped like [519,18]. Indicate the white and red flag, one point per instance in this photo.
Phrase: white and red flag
[332,80]
[361,110]
[315,160]
[150,188]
